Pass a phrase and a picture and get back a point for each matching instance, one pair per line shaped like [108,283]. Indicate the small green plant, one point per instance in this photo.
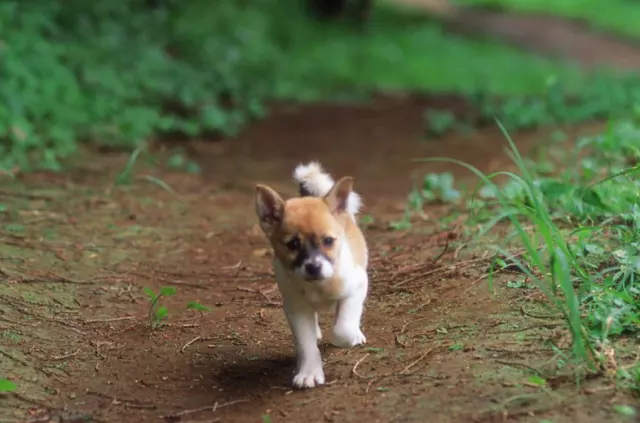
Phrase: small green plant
[624,410]
[402,224]
[435,188]
[178,161]
[439,187]
[366,220]
[439,122]
[126,176]
[158,313]
[7,386]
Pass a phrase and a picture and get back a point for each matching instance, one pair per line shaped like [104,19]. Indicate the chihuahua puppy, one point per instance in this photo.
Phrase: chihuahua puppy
[320,262]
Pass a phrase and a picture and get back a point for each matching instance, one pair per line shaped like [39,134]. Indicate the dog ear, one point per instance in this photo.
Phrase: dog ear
[338,197]
[269,208]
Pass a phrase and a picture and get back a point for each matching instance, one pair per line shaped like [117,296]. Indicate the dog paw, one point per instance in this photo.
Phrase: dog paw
[347,338]
[309,378]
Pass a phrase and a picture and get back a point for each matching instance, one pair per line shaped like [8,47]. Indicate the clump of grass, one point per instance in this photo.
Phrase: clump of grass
[578,232]
[158,313]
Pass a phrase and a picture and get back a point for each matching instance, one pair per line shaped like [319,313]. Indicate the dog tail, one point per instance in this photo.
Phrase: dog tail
[313,181]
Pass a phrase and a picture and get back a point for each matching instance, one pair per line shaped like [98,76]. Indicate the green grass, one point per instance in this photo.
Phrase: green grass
[616,16]
[575,219]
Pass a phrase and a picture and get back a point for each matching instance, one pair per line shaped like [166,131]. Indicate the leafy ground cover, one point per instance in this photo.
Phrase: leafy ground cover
[118,74]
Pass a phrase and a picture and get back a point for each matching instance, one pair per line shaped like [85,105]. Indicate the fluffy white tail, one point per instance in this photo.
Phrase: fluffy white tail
[314,181]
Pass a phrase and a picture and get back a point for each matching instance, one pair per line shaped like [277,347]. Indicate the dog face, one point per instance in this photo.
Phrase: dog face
[305,232]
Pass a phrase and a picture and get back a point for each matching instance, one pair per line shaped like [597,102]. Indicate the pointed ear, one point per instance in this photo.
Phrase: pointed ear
[269,208]
[338,197]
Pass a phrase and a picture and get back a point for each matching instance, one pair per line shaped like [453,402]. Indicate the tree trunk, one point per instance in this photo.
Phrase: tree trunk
[356,10]
[327,9]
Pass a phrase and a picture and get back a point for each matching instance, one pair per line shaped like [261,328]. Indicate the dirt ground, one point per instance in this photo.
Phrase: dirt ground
[77,253]
[546,35]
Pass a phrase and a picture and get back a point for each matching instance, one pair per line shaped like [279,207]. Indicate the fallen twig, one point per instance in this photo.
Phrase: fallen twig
[196,339]
[413,363]
[126,403]
[541,326]
[111,319]
[64,356]
[354,370]
[539,316]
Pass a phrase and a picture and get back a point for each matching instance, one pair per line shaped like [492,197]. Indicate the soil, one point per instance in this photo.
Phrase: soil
[75,332]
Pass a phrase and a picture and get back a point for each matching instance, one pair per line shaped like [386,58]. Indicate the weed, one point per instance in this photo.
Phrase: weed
[126,176]
[434,188]
[7,386]
[179,161]
[366,220]
[402,224]
[158,313]
[439,122]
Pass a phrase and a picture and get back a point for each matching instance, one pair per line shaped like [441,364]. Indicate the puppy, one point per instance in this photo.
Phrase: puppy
[320,262]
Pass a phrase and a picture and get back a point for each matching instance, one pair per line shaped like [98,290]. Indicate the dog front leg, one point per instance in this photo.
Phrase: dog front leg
[303,322]
[346,330]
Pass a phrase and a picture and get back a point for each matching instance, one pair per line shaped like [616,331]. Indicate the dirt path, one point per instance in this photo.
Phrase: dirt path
[546,35]
[77,255]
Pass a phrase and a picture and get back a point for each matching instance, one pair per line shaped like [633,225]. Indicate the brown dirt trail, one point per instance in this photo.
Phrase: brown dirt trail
[543,34]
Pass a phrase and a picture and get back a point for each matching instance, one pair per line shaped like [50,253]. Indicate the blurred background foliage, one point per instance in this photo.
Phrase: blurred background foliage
[120,73]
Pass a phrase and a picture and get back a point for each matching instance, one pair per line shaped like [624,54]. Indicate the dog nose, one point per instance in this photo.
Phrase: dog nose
[312,269]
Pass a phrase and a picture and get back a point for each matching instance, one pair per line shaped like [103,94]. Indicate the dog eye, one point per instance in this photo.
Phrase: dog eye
[293,244]
[328,241]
